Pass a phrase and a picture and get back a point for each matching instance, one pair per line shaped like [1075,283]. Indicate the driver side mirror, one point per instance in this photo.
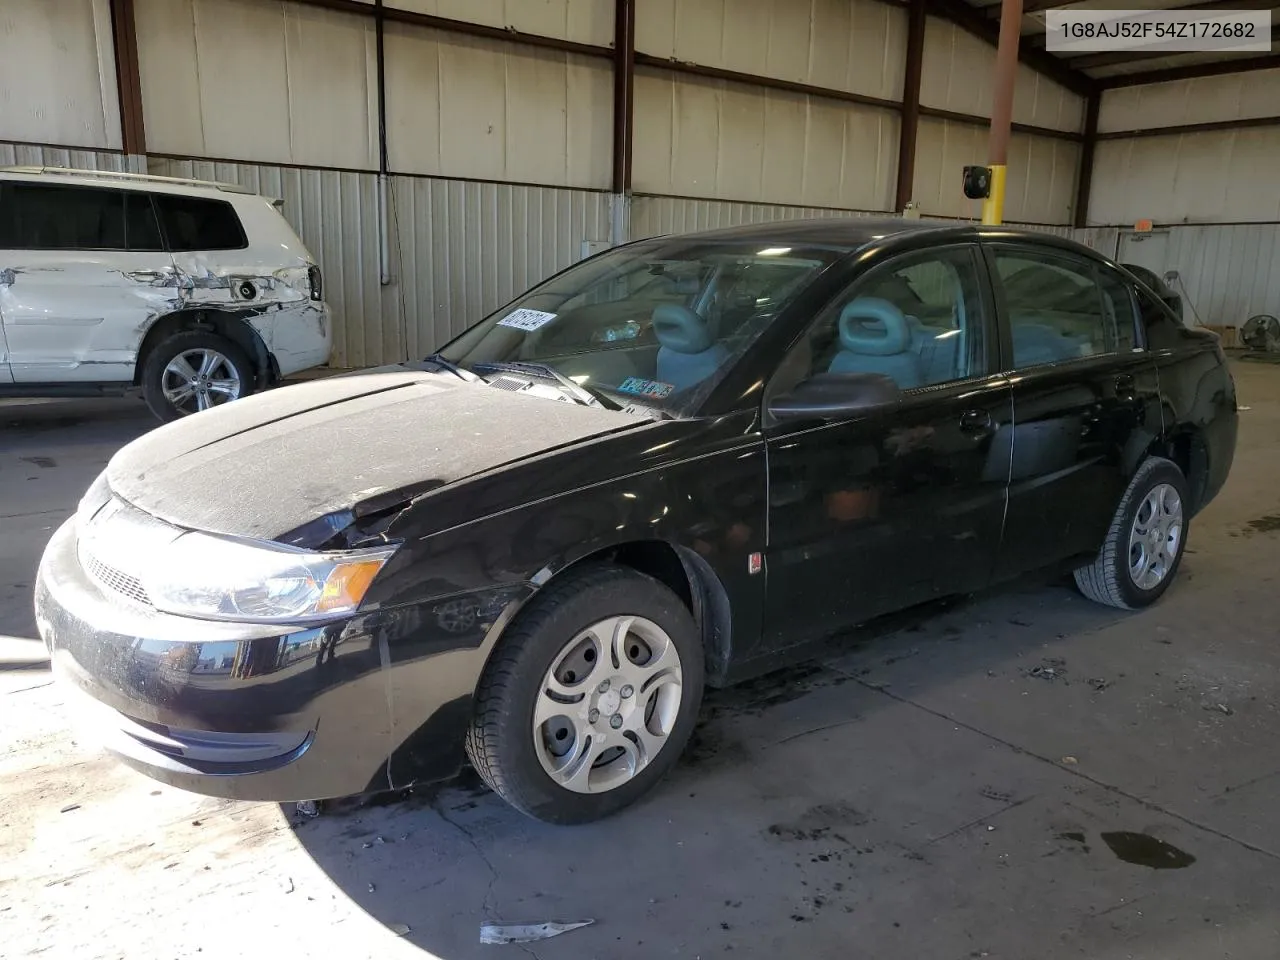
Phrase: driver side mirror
[835,396]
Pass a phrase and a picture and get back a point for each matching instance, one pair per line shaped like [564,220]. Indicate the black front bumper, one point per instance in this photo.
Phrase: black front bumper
[378,701]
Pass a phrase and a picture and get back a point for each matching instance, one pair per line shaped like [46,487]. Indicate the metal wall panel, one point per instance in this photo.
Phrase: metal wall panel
[1041,176]
[655,216]
[39,155]
[1228,273]
[57,73]
[464,249]
[1219,176]
[710,138]
[583,21]
[258,80]
[468,107]
[957,75]
[1237,96]
[854,45]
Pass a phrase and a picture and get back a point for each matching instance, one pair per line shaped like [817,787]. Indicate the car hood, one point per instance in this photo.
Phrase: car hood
[265,465]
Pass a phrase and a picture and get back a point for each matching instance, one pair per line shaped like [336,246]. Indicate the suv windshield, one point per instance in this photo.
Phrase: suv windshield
[655,324]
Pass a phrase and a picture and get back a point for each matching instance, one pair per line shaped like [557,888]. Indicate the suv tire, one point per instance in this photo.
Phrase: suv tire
[216,371]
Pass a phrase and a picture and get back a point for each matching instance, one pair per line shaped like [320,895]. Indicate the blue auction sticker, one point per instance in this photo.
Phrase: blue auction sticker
[646,388]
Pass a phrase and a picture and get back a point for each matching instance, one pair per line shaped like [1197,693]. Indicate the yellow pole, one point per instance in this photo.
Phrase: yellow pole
[993,206]
[1002,107]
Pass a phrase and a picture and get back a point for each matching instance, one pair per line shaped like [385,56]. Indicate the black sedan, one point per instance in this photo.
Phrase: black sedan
[681,462]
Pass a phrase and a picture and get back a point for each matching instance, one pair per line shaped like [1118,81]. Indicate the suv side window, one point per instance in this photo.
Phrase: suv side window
[34,216]
[197,223]
[37,216]
[918,319]
[1058,308]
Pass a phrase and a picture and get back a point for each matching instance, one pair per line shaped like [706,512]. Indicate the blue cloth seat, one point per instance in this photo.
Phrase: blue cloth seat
[875,337]
[687,352]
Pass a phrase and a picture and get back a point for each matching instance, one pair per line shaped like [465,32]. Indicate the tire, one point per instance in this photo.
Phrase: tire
[1110,579]
[232,364]
[514,757]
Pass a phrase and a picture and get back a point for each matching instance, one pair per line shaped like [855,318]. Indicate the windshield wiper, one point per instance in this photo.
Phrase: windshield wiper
[587,396]
[452,367]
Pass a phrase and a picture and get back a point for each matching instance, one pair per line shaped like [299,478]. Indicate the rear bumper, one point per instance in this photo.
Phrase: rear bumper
[375,702]
[301,337]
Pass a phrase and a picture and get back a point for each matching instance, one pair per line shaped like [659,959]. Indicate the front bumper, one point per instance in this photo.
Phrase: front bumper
[378,701]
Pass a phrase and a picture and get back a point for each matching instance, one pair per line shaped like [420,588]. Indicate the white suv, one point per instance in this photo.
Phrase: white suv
[197,292]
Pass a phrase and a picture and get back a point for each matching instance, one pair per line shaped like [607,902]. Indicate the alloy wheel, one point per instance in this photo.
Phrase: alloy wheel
[608,704]
[1156,537]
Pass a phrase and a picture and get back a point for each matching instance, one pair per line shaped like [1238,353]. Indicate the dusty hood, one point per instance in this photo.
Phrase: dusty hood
[265,465]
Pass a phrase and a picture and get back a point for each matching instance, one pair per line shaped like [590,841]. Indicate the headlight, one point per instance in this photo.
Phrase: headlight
[216,578]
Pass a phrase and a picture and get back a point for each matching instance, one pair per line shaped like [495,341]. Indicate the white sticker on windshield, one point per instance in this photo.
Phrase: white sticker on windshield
[526,319]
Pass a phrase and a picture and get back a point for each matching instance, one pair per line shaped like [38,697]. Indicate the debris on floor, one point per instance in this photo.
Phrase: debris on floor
[308,808]
[527,932]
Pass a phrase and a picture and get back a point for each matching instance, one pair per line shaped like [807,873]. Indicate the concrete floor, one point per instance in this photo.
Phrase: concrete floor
[942,791]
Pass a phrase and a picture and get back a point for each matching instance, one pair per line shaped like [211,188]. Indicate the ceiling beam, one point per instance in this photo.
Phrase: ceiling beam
[1216,68]
[973,20]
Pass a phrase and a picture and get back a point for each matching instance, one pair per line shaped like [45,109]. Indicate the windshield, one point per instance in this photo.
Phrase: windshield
[651,325]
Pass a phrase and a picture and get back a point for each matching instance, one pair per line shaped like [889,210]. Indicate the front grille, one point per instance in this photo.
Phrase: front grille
[115,580]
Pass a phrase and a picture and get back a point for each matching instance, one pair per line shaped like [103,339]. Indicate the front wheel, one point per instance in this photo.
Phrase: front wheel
[1145,543]
[590,697]
[192,371]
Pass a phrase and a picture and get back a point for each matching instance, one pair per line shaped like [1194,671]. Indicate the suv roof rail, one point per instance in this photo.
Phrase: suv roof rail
[131,177]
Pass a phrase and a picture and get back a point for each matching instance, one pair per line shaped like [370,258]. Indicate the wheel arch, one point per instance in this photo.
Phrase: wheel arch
[232,325]
[687,575]
[1188,448]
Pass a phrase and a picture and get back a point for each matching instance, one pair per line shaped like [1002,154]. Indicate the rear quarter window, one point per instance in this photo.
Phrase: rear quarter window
[198,223]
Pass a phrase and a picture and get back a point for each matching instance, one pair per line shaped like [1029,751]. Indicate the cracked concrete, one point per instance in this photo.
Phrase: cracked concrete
[923,793]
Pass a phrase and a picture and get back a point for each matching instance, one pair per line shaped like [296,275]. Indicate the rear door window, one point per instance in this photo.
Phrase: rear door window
[198,223]
[1058,309]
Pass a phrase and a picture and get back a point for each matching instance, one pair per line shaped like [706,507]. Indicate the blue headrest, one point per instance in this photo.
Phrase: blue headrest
[680,329]
[873,327]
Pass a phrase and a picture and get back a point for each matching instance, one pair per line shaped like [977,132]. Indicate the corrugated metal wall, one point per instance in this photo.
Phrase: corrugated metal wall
[1228,273]
[584,21]
[654,216]
[39,155]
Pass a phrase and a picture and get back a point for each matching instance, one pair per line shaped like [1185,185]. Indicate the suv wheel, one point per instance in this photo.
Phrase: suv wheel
[589,698]
[192,371]
[1145,543]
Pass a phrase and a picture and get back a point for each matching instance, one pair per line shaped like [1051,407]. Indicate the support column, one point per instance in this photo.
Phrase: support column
[624,75]
[124,39]
[910,105]
[1084,181]
[1002,107]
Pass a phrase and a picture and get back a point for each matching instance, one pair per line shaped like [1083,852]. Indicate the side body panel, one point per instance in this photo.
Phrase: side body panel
[885,511]
[80,316]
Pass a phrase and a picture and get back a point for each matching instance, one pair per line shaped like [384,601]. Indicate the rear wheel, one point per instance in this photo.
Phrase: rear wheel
[193,371]
[1145,543]
[590,697]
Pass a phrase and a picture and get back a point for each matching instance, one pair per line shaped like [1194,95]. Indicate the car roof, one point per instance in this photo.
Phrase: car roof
[123,181]
[857,232]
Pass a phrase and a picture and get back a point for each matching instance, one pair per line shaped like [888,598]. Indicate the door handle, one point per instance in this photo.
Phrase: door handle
[148,275]
[977,421]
